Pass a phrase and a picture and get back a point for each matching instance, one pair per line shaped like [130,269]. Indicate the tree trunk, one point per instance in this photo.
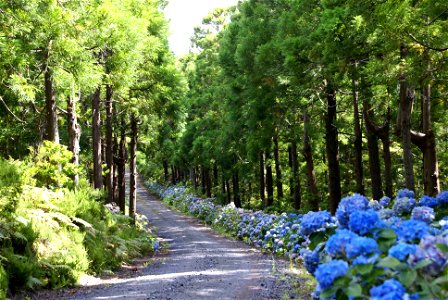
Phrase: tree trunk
[331,139]
[74,133]
[109,144]
[208,183]
[52,132]
[203,181]
[374,166]
[297,195]
[291,178]
[121,166]
[133,167]
[427,144]
[166,174]
[215,177]
[96,140]
[262,182]
[387,161]
[358,140]
[269,182]
[173,175]
[223,185]
[236,189]
[228,191]
[406,101]
[311,175]
[278,170]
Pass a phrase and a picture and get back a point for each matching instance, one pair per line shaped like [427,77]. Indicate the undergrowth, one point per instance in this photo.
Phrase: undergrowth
[51,232]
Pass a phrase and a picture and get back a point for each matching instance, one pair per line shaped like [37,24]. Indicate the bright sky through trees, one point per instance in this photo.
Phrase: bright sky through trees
[184,15]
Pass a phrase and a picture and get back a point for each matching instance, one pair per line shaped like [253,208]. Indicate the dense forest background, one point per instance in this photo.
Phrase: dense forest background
[286,103]
[292,104]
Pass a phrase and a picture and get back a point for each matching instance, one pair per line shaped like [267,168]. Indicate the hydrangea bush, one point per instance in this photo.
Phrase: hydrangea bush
[386,249]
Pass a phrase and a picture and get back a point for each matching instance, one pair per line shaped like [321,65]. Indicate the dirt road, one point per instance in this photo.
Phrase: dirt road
[199,264]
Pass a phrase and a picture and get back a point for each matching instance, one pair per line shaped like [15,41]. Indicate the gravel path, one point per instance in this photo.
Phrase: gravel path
[199,264]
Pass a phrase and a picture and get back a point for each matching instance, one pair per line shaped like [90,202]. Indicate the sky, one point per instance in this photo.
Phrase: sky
[184,15]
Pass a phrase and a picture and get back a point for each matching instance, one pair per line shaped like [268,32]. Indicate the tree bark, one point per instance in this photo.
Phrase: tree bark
[427,144]
[96,140]
[297,195]
[374,165]
[165,170]
[109,144]
[262,182]
[236,189]
[228,191]
[193,177]
[133,167]
[358,140]
[121,168]
[269,182]
[291,178]
[208,182]
[387,162]
[332,148]
[311,175]
[52,132]
[173,175]
[223,185]
[203,181]
[278,169]
[406,101]
[74,133]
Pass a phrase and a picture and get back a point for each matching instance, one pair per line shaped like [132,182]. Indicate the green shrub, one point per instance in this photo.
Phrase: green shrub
[50,234]
[3,282]
[52,167]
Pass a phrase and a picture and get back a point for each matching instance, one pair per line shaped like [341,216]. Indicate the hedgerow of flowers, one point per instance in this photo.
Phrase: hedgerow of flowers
[386,249]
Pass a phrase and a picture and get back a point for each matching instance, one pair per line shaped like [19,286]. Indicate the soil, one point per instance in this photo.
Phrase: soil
[197,263]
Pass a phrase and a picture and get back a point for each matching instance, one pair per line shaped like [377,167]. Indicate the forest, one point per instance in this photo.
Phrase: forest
[281,106]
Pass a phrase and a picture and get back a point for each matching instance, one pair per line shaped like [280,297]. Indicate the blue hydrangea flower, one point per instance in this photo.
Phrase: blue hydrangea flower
[384,202]
[386,213]
[390,290]
[411,230]
[423,213]
[361,246]
[427,249]
[375,205]
[401,250]
[314,221]
[444,223]
[428,201]
[310,259]
[337,243]
[363,260]
[403,205]
[328,272]
[405,193]
[348,205]
[362,222]
[442,197]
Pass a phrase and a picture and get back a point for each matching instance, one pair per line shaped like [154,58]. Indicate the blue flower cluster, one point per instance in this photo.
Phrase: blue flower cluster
[364,235]
[327,273]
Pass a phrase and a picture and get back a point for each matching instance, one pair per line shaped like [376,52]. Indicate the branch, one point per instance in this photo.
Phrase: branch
[62,110]
[418,139]
[426,45]
[10,111]
[435,19]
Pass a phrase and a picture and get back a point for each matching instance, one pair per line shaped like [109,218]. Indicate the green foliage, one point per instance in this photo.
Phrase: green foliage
[50,237]
[52,166]
[3,281]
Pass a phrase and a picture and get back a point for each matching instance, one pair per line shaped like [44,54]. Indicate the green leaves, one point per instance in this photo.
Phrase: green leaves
[389,262]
